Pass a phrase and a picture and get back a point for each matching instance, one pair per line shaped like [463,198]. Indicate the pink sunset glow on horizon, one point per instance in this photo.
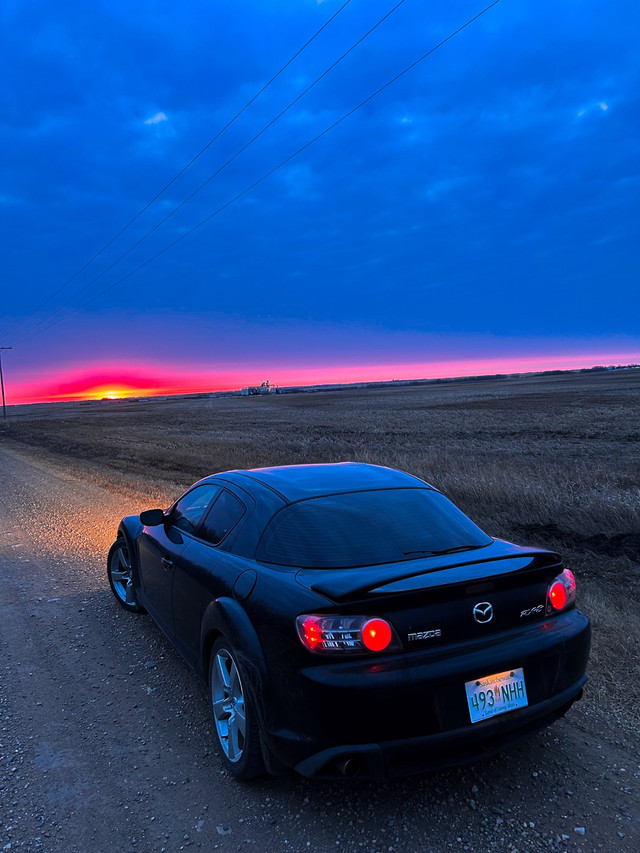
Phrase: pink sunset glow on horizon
[116,381]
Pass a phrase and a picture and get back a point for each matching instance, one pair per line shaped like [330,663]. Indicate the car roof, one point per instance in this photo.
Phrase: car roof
[297,482]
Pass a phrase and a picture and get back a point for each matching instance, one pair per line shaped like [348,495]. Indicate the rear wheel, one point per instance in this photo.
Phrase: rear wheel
[120,573]
[234,715]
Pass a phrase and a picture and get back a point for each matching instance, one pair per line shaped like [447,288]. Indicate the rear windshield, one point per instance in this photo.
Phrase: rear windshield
[367,529]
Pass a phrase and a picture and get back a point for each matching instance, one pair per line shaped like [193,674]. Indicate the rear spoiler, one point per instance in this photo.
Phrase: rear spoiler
[498,558]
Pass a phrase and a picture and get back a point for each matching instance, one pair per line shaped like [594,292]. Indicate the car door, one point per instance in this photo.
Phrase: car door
[196,577]
[161,547]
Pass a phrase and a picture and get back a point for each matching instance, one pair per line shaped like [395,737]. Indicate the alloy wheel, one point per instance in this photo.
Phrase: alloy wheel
[120,570]
[227,699]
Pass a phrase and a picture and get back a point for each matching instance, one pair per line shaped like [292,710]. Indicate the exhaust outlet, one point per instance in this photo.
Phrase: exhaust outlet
[350,767]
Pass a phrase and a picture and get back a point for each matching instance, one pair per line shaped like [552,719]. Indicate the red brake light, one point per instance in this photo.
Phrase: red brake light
[557,595]
[562,592]
[376,634]
[329,634]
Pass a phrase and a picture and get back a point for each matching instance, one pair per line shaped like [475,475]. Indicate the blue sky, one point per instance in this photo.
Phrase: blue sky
[484,206]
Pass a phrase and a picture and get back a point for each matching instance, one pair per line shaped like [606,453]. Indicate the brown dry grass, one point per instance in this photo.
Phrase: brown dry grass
[552,461]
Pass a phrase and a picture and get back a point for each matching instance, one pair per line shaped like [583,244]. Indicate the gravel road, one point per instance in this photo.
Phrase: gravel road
[106,742]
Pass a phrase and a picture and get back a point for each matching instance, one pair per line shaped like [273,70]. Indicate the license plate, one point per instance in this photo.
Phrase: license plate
[496,694]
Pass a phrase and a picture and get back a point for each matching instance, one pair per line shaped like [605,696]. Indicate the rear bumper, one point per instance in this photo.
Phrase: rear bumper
[407,713]
[435,752]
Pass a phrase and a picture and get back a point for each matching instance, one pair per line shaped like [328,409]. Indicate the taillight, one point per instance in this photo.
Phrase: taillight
[346,634]
[376,635]
[562,592]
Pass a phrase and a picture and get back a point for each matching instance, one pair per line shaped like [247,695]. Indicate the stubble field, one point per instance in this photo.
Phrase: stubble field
[551,461]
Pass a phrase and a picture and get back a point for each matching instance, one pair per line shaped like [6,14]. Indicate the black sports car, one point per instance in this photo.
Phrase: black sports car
[351,621]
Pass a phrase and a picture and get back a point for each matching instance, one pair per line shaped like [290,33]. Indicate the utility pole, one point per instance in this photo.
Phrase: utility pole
[4,407]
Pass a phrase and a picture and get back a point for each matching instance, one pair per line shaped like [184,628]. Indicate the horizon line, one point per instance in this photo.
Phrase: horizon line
[364,383]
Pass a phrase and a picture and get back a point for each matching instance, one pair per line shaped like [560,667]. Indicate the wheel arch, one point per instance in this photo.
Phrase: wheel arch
[129,529]
[225,617]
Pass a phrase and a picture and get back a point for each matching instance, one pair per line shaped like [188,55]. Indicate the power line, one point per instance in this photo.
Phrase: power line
[271,171]
[219,170]
[183,170]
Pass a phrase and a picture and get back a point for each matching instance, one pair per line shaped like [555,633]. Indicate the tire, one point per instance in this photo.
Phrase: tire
[120,570]
[234,715]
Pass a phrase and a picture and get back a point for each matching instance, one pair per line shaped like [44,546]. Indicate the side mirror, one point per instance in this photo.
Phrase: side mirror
[152,517]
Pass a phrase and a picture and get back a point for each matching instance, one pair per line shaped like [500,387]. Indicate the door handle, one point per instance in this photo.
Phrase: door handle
[166,562]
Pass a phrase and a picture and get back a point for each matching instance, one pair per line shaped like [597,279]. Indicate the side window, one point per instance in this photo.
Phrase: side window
[222,518]
[190,508]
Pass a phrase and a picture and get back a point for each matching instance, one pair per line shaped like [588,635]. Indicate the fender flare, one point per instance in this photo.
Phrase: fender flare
[226,617]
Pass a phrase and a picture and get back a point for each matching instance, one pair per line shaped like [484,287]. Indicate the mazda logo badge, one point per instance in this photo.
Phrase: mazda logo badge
[483,612]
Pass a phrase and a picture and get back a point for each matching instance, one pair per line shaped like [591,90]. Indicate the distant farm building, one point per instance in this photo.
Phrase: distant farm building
[264,388]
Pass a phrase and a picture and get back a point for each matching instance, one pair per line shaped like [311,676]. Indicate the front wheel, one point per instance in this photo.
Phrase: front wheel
[234,716]
[120,574]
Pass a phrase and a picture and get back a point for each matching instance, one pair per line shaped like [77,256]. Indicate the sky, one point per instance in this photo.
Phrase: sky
[478,215]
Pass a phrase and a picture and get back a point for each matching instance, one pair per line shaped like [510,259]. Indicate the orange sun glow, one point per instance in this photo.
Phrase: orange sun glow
[109,393]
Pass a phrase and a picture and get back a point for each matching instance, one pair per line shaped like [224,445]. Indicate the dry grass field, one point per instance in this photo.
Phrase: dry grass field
[552,461]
